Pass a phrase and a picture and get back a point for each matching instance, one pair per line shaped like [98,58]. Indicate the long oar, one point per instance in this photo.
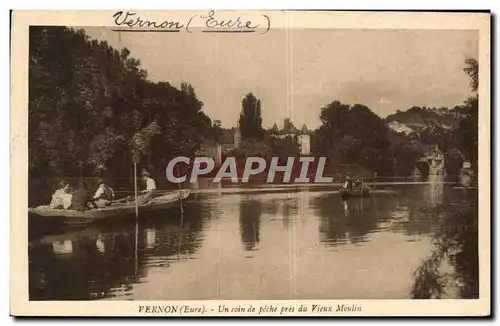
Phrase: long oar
[182,221]
[136,220]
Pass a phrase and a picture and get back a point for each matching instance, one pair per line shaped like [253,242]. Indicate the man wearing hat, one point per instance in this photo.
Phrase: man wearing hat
[103,195]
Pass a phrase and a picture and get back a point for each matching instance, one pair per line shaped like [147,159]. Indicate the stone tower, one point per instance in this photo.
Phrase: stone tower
[237,136]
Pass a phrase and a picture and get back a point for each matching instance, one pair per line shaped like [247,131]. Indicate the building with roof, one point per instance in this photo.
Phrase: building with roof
[302,136]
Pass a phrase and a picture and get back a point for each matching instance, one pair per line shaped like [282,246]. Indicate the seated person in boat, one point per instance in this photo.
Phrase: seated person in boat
[347,183]
[150,190]
[81,198]
[61,197]
[103,195]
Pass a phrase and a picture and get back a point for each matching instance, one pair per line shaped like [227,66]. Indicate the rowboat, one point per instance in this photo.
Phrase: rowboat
[120,209]
[361,192]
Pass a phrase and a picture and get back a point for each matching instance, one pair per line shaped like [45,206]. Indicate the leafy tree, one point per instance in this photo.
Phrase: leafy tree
[103,148]
[453,161]
[251,147]
[250,118]
[406,155]
[140,142]
[467,131]
[286,147]
[472,70]
[217,130]
[356,135]
[437,135]
[348,146]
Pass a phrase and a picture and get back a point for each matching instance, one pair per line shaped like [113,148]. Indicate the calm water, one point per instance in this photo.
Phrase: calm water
[418,242]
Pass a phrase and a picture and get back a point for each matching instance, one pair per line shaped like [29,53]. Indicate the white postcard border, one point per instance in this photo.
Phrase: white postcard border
[20,304]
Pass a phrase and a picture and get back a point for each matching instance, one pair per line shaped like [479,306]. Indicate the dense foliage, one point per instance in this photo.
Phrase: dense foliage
[467,131]
[354,134]
[250,118]
[93,111]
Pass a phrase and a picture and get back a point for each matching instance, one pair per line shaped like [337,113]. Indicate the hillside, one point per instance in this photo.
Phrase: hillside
[419,118]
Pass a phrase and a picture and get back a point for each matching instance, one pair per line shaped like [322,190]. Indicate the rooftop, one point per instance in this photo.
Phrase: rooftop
[288,129]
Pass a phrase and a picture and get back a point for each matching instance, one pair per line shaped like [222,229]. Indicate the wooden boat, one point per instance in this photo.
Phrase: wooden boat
[361,192]
[115,210]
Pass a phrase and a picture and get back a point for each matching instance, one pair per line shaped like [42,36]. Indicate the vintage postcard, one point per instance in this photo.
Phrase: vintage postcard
[250,163]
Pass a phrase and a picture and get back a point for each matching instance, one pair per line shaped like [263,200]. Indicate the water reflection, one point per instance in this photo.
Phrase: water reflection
[434,191]
[96,263]
[64,247]
[100,245]
[452,269]
[85,272]
[415,241]
[250,212]
[400,214]
[345,220]
[150,238]
[290,209]
[466,180]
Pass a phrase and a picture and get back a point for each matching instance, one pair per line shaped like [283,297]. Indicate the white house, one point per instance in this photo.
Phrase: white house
[304,140]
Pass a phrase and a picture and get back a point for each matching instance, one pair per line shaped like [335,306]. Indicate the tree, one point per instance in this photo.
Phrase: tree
[251,147]
[216,130]
[467,131]
[348,146]
[437,135]
[250,118]
[472,69]
[141,141]
[453,161]
[283,148]
[355,135]
[406,155]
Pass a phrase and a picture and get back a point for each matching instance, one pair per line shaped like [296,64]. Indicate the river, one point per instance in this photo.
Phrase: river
[418,241]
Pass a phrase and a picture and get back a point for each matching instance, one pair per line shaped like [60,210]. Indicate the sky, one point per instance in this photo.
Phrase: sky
[295,73]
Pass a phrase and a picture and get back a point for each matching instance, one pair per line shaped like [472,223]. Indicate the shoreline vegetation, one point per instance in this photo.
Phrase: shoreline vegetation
[93,113]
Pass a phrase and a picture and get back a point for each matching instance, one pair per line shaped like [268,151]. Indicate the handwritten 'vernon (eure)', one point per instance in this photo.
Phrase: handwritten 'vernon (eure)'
[131,19]
[210,23]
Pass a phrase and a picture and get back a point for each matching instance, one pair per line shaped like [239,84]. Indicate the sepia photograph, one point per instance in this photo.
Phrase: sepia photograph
[251,164]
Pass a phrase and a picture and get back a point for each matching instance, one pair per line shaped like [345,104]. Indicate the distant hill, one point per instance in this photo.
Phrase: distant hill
[424,116]
[418,118]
